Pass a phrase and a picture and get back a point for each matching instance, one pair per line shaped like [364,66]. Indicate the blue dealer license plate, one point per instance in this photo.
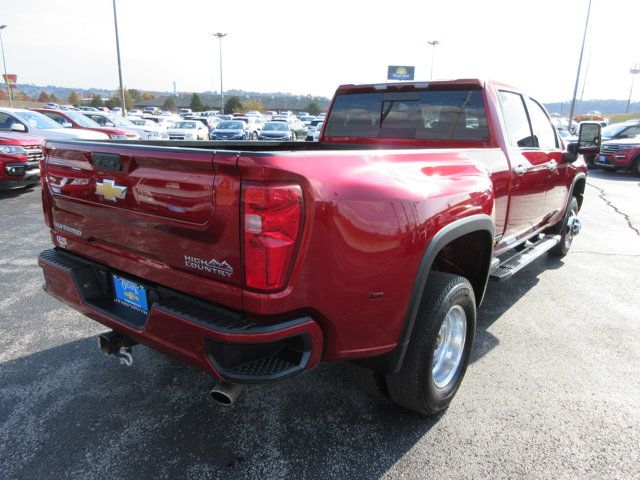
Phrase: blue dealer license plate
[130,294]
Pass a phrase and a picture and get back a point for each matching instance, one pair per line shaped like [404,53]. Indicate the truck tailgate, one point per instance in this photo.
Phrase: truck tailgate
[176,209]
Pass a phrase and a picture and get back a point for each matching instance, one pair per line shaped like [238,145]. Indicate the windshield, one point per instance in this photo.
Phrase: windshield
[613,130]
[81,120]
[118,121]
[184,125]
[229,126]
[429,115]
[275,126]
[36,120]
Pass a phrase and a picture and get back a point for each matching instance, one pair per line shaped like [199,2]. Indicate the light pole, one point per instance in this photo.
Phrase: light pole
[220,37]
[634,70]
[434,44]
[115,22]
[6,81]
[575,89]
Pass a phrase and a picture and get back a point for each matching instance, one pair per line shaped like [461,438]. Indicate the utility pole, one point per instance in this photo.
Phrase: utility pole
[220,37]
[115,22]
[4,62]
[434,44]
[575,89]
[634,70]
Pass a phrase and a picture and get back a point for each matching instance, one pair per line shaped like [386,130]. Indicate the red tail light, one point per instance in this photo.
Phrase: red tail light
[272,223]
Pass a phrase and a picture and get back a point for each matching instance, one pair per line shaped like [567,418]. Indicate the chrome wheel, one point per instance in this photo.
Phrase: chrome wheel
[573,228]
[449,346]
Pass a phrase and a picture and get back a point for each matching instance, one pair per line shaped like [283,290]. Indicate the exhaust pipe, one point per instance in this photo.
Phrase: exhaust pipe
[226,393]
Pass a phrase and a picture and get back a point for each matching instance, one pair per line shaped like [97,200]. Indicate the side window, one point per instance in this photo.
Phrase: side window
[516,120]
[6,121]
[56,118]
[544,134]
[631,132]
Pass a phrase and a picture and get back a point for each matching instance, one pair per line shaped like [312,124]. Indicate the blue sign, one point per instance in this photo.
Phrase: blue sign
[130,294]
[400,72]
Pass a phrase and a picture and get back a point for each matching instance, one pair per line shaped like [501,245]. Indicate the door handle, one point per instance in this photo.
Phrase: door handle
[520,170]
[552,165]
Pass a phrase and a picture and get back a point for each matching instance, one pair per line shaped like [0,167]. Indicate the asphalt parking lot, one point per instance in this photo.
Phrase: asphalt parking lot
[553,390]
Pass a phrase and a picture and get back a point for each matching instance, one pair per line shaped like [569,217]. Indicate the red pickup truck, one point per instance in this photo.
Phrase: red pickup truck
[256,261]
[20,157]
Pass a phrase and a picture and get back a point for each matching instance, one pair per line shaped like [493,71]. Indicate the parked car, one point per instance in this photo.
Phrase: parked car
[135,112]
[276,131]
[306,119]
[152,130]
[255,264]
[112,120]
[84,109]
[311,128]
[67,107]
[51,105]
[617,131]
[68,119]
[116,110]
[316,132]
[188,130]
[617,154]
[36,124]
[297,127]
[151,110]
[255,125]
[20,157]
[230,130]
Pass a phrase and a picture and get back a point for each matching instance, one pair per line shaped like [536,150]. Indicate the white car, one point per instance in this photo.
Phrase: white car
[36,124]
[316,132]
[152,130]
[135,111]
[188,130]
[112,120]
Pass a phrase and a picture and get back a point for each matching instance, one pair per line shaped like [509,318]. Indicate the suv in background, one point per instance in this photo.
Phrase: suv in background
[617,131]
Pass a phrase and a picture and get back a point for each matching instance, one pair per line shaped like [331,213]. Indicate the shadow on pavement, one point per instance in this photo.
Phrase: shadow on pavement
[72,412]
[17,192]
[622,175]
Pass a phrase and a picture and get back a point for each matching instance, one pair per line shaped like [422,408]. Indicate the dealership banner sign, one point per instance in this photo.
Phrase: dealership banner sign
[400,72]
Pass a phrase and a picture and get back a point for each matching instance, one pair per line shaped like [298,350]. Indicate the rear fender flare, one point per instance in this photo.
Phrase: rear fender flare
[392,362]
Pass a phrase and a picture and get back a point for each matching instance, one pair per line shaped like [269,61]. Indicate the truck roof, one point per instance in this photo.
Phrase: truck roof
[410,86]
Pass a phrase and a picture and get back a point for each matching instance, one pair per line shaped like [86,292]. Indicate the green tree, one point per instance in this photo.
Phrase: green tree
[196,103]
[54,98]
[44,97]
[170,104]
[313,108]
[96,101]
[74,98]
[115,100]
[233,105]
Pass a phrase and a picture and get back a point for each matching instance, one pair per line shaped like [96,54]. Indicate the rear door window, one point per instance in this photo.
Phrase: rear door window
[429,115]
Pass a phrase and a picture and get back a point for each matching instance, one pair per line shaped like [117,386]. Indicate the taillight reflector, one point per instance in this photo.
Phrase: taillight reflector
[272,223]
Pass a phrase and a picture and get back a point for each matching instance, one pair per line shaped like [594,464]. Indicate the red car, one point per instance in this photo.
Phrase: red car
[19,160]
[624,153]
[256,261]
[71,119]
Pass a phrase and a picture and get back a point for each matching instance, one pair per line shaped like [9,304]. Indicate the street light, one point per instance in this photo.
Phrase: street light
[575,89]
[634,70]
[115,21]
[6,81]
[220,37]
[434,44]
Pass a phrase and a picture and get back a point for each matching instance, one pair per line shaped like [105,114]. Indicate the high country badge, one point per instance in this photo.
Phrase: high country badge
[211,266]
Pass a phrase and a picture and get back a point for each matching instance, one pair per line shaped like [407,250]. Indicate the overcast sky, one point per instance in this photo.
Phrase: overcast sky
[311,46]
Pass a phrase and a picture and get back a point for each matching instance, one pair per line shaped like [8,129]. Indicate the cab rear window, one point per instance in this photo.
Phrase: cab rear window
[428,115]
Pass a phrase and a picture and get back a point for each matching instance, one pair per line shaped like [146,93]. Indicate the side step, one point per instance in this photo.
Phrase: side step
[513,264]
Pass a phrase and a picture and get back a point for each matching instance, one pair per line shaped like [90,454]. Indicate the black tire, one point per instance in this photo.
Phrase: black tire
[566,236]
[635,166]
[590,159]
[371,382]
[254,136]
[413,386]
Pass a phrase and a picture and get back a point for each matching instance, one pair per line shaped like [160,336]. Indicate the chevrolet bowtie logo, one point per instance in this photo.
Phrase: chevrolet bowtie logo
[110,191]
